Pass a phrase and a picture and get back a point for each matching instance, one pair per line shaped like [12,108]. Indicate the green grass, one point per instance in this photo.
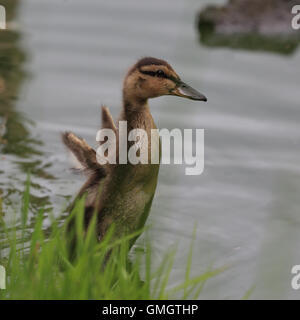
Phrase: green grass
[38,265]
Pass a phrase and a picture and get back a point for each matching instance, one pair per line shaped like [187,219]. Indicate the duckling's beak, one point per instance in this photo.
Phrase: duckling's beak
[185,91]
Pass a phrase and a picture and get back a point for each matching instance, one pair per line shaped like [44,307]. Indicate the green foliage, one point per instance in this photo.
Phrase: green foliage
[38,264]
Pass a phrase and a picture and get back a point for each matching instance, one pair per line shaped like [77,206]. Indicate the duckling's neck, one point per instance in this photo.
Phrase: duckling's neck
[137,113]
[133,103]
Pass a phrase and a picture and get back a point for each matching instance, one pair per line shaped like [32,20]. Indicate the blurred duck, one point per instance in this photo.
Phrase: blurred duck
[122,194]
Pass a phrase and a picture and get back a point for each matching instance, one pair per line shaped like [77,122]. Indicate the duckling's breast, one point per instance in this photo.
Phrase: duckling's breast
[129,192]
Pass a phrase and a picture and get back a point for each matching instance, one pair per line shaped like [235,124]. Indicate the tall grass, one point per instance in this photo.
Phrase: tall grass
[38,264]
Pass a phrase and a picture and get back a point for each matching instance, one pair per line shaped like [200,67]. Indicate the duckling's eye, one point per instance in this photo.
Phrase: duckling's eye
[160,73]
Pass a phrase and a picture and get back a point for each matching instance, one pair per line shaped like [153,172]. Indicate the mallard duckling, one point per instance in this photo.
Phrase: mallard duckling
[122,194]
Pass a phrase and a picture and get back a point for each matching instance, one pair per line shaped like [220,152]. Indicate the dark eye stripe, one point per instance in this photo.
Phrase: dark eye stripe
[175,80]
[158,73]
[149,73]
[161,75]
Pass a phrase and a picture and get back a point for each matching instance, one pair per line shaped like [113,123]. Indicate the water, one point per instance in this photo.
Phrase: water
[245,204]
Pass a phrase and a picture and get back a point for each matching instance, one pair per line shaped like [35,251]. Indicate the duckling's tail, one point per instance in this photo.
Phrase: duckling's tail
[107,119]
[83,153]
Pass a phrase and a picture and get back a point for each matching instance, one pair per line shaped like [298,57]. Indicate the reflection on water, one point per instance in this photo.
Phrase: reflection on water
[20,151]
[245,203]
[15,136]
[254,41]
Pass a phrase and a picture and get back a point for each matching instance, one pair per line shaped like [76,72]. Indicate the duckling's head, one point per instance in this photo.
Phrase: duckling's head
[151,77]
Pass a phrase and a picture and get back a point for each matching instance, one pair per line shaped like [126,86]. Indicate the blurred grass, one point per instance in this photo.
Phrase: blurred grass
[38,264]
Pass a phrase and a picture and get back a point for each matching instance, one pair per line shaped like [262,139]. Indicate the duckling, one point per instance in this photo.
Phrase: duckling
[122,194]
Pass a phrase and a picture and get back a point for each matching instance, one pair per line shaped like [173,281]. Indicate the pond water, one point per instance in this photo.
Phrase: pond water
[245,204]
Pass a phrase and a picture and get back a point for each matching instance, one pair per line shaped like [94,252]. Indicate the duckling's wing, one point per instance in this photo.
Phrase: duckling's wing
[83,152]
[107,119]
